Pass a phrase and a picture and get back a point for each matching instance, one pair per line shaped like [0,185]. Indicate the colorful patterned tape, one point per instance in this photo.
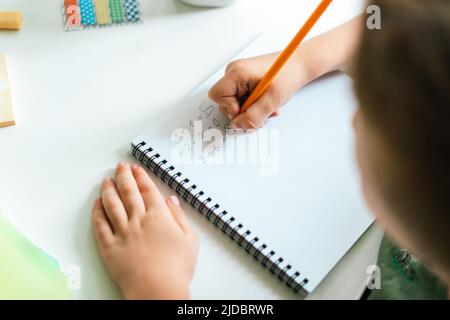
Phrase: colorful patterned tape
[102,8]
[132,9]
[117,13]
[88,13]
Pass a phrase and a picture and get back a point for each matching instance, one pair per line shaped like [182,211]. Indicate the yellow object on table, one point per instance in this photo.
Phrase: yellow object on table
[6,113]
[10,20]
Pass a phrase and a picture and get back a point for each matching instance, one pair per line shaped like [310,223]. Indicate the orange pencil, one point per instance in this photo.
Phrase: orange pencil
[267,79]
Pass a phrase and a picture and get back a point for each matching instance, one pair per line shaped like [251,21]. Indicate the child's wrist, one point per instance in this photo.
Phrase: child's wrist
[298,74]
[306,74]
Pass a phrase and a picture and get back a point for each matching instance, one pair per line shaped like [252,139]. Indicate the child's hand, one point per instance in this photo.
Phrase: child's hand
[145,241]
[240,79]
[327,52]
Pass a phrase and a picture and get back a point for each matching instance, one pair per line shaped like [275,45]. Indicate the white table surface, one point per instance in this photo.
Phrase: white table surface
[79,99]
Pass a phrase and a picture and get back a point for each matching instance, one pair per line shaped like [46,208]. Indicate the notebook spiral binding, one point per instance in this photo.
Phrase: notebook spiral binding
[221,219]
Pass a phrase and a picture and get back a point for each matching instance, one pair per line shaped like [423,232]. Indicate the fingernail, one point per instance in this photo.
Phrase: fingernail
[121,164]
[174,200]
[233,125]
[230,116]
[134,166]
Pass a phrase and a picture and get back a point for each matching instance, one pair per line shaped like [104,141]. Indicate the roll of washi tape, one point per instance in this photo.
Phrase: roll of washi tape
[73,14]
[116,9]
[10,20]
[102,10]
[132,10]
[87,13]
[68,3]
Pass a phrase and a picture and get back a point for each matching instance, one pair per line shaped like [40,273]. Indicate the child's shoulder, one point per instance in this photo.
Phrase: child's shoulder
[403,276]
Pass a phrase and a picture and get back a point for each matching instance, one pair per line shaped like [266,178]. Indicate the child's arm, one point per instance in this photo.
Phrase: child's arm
[328,52]
[145,240]
[332,50]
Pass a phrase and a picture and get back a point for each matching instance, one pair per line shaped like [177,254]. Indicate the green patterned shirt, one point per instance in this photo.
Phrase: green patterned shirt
[403,276]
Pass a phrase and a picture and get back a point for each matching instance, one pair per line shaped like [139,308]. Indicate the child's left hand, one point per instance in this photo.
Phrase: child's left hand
[145,241]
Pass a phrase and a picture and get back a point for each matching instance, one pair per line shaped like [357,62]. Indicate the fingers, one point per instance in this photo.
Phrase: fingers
[240,78]
[225,93]
[114,207]
[275,114]
[178,214]
[230,109]
[102,227]
[258,113]
[129,191]
[149,191]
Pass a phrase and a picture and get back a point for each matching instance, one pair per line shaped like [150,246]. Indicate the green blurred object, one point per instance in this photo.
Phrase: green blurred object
[26,272]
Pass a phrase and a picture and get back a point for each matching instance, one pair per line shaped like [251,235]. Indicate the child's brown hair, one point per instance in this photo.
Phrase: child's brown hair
[402,81]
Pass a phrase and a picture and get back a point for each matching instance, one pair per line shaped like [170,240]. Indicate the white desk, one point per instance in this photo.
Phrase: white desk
[81,97]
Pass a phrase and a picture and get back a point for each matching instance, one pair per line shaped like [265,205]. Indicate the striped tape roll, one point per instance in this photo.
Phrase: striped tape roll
[102,11]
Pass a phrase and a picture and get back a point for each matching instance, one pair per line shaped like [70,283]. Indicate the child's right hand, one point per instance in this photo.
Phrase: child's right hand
[330,51]
[241,77]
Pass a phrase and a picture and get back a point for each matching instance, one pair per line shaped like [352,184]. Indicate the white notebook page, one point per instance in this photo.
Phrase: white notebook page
[304,202]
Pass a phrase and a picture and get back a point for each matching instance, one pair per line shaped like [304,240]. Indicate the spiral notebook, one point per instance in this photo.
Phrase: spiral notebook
[288,194]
